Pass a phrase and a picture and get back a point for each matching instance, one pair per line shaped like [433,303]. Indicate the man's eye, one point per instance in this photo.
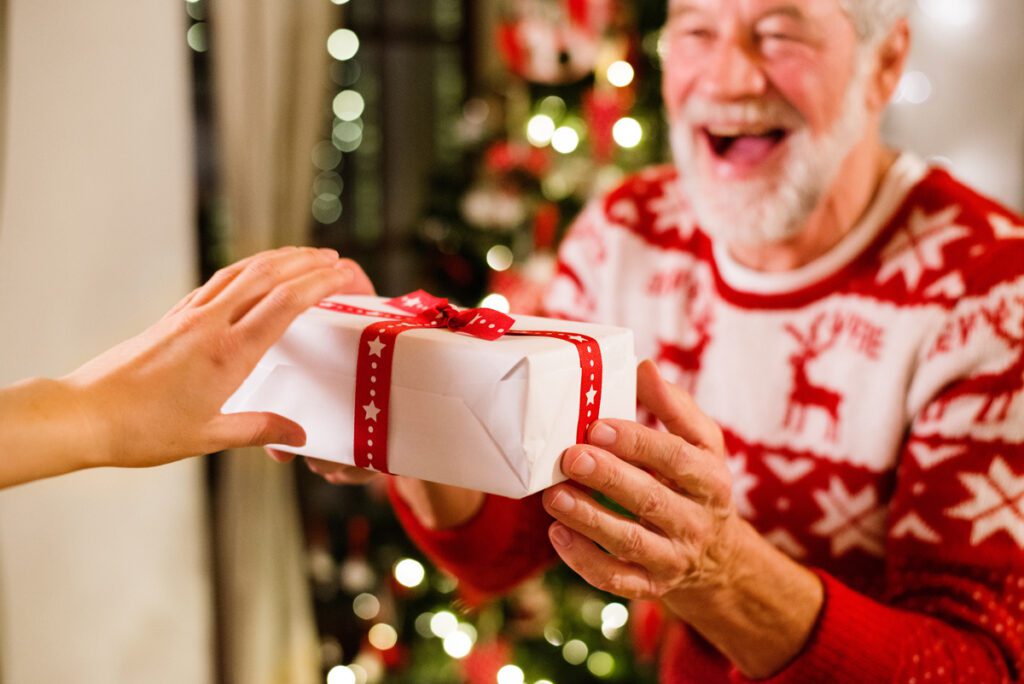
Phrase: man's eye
[776,36]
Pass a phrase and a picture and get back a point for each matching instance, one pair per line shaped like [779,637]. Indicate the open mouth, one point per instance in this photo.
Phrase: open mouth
[743,147]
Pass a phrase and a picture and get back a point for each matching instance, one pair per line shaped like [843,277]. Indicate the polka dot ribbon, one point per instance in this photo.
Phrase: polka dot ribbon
[377,349]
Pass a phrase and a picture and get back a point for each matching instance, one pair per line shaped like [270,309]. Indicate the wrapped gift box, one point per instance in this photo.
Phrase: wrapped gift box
[492,415]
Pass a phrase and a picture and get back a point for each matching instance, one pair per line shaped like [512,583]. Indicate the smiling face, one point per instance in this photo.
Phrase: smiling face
[766,98]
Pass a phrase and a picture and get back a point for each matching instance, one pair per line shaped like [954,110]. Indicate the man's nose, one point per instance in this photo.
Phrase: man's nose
[733,72]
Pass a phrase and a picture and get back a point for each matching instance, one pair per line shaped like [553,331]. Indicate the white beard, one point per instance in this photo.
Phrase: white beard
[771,210]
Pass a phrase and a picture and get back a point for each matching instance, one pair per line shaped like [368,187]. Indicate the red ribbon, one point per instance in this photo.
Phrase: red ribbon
[377,349]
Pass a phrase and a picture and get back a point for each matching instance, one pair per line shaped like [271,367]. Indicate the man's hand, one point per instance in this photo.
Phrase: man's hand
[676,483]
[157,397]
[687,546]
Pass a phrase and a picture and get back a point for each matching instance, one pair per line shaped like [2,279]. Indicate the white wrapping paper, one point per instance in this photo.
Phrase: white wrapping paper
[488,415]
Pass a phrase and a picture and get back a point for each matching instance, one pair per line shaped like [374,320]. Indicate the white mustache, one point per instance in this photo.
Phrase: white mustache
[771,113]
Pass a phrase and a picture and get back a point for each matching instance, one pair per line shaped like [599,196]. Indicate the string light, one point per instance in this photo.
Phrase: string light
[409,572]
[600,664]
[499,257]
[565,140]
[457,645]
[511,674]
[497,302]
[620,73]
[539,129]
[382,636]
[627,132]
[443,623]
[366,606]
[339,674]
[575,652]
[343,44]
[914,88]
[196,36]
[348,105]
[950,12]
[614,615]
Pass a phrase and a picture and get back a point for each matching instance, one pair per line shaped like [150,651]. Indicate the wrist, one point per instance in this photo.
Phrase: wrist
[90,439]
[759,610]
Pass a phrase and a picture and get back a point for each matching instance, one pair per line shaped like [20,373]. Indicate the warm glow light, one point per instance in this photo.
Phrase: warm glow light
[382,636]
[950,12]
[614,615]
[600,664]
[497,302]
[409,572]
[366,606]
[539,129]
[196,37]
[553,636]
[443,624]
[511,674]
[627,132]
[565,139]
[343,44]
[575,652]
[339,2]
[543,681]
[914,88]
[348,105]
[339,674]
[499,257]
[457,644]
[620,73]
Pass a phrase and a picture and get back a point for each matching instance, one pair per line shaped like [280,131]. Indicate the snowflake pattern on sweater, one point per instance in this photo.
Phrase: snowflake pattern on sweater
[873,406]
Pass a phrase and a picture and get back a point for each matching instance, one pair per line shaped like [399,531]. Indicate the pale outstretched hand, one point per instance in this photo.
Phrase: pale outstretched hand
[157,397]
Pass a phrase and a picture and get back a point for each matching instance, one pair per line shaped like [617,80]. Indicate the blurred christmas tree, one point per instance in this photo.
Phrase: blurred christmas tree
[579,109]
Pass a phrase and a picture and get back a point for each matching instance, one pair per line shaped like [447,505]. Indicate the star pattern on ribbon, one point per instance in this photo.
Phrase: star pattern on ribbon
[371,411]
[376,346]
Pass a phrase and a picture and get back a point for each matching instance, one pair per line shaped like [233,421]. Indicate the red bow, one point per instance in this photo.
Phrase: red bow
[377,348]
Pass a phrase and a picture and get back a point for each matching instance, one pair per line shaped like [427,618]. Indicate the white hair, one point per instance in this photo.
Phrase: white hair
[873,19]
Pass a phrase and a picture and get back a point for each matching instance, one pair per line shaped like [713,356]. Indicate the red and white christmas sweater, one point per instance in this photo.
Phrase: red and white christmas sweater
[873,410]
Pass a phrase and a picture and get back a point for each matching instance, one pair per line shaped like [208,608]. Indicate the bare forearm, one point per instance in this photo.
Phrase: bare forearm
[761,617]
[439,506]
[44,431]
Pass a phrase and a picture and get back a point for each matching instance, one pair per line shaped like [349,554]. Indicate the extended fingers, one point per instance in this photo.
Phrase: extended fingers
[697,472]
[676,409]
[600,570]
[271,316]
[266,272]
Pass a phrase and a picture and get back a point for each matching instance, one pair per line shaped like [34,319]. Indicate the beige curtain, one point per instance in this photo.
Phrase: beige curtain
[270,75]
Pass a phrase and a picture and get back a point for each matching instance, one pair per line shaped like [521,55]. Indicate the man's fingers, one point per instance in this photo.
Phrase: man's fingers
[600,570]
[637,491]
[236,430]
[691,469]
[280,456]
[266,272]
[185,301]
[267,321]
[340,473]
[676,409]
[626,539]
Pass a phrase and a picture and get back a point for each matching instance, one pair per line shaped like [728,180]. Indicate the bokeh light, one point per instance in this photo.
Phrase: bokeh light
[343,44]
[620,73]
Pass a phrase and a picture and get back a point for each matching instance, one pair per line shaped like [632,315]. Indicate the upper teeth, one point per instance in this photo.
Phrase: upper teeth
[735,131]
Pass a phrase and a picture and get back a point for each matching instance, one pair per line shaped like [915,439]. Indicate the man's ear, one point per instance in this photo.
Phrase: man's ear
[891,57]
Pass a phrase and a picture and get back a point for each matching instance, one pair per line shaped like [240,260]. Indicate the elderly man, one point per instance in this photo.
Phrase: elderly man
[846,505]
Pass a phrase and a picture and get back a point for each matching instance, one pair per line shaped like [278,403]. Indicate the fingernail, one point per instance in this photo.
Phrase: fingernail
[603,434]
[328,253]
[583,465]
[560,535]
[562,502]
[344,270]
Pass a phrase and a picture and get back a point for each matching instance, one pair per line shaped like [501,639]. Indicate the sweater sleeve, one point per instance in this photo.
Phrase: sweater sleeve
[953,607]
[503,544]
